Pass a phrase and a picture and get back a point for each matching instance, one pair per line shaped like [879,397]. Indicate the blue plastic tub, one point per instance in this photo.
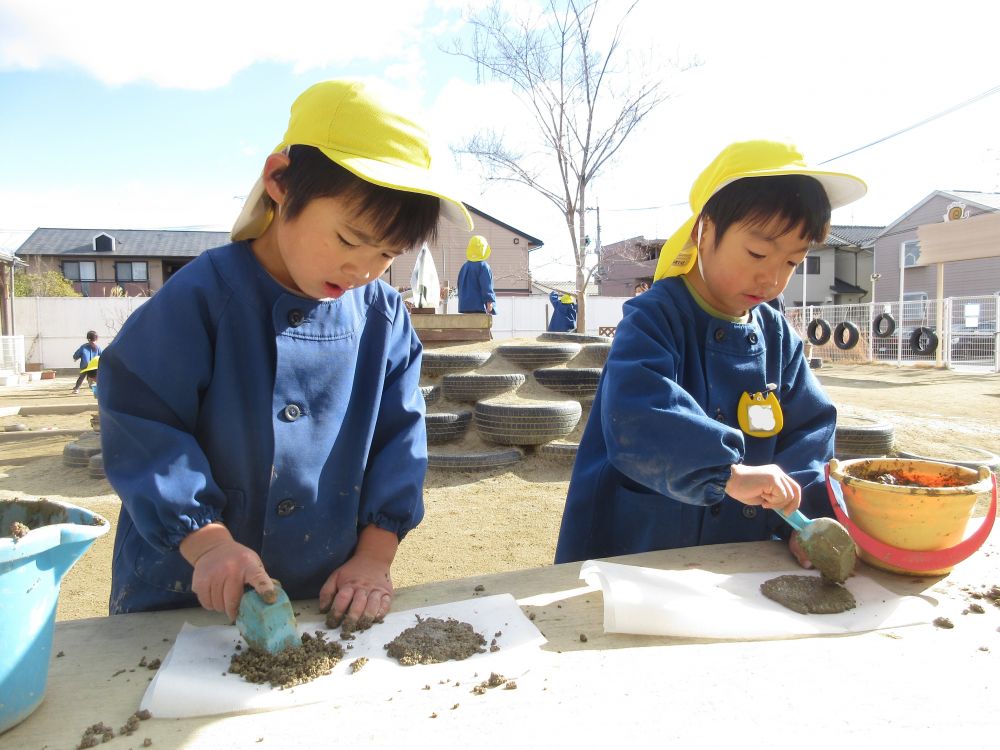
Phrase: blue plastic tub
[31,570]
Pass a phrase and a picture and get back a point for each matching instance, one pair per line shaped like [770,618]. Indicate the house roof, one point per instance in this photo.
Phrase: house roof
[534,242]
[849,235]
[128,242]
[840,286]
[986,201]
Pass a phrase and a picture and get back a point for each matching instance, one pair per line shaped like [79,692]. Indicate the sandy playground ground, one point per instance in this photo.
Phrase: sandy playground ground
[500,520]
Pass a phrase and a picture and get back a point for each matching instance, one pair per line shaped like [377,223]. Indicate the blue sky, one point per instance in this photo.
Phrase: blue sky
[127,115]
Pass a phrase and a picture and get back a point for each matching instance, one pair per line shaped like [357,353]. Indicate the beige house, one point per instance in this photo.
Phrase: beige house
[138,261]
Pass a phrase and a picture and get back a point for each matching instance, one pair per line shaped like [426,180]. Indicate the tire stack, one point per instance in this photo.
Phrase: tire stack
[509,426]
[78,452]
[861,437]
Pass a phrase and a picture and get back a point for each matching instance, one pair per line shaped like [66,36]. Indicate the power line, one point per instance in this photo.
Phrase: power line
[937,116]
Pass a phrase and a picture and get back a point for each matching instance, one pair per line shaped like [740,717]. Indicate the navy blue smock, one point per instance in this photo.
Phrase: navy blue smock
[475,287]
[656,453]
[563,314]
[294,422]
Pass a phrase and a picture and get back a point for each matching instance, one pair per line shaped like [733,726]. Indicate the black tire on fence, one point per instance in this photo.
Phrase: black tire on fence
[526,424]
[444,427]
[431,393]
[890,325]
[861,437]
[575,381]
[471,388]
[563,451]
[437,363]
[916,338]
[473,461]
[853,335]
[824,331]
[576,338]
[530,356]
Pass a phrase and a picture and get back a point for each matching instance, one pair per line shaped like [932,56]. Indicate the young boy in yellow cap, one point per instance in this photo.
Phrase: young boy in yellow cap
[475,279]
[708,422]
[260,415]
[563,312]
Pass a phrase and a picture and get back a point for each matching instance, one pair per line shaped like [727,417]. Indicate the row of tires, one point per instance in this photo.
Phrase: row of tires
[526,356]
[580,382]
[922,341]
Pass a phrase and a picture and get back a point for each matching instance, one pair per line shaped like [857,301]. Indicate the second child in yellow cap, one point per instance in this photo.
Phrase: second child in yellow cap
[475,279]
[260,415]
[708,423]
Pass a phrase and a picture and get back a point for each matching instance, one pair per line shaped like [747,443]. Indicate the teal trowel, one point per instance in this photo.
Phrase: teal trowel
[267,626]
[826,543]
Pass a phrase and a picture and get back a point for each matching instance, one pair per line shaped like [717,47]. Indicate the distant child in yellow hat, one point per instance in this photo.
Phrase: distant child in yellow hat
[475,279]
[708,422]
[260,415]
[563,312]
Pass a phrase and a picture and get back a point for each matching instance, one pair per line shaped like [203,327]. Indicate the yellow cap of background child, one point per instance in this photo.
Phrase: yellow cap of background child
[353,128]
[478,248]
[735,162]
[566,299]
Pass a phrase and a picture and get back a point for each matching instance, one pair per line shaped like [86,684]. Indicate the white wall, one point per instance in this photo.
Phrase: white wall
[53,327]
[520,317]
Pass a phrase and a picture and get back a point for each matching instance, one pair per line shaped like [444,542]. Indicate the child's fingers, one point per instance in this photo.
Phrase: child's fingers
[232,592]
[377,605]
[341,604]
[262,584]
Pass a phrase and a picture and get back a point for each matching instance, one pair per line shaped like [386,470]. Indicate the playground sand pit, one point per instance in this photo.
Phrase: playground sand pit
[493,521]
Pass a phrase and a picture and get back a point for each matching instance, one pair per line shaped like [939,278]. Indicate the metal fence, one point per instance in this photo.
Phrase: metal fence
[11,355]
[956,332]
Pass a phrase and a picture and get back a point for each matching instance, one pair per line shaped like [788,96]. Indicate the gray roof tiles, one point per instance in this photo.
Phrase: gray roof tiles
[128,242]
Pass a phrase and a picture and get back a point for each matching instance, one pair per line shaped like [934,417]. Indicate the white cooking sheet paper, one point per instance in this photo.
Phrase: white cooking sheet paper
[700,604]
[194,681]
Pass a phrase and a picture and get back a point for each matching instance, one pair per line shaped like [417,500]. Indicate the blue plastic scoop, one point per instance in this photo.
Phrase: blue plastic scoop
[268,627]
[827,545]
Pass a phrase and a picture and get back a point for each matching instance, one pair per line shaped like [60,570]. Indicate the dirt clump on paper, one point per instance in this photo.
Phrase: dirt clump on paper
[809,595]
[433,640]
[18,530]
[291,666]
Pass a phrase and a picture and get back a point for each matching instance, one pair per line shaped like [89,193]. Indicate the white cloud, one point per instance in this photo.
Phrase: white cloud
[193,44]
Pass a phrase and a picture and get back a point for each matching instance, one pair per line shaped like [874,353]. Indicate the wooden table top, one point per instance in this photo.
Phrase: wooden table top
[922,685]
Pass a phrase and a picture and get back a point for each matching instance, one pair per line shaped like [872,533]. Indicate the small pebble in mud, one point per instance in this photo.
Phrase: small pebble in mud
[61,653]
[358,663]
[531,615]
[984,648]
[480,587]
[943,622]
[292,666]
[18,530]
[583,637]
[433,640]
[96,734]
[155,664]
[454,707]
[809,594]
[434,715]
[977,609]
[142,662]
[147,742]
[510,685]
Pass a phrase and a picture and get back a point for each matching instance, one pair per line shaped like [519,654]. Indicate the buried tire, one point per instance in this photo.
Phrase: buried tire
[532,423]
[531,356]
[444,427]
[577,338]
[431,393]
[575,381]
[562,451]
[472,388]
[472,461]
[861,437]
[970,458]
[437,363]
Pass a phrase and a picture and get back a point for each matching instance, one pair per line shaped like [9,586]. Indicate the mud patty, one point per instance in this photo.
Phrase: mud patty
[292,666]
[809,595]
[434,640]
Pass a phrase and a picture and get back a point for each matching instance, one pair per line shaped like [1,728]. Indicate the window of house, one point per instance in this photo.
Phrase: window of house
[131,271]
[80,270]
[911,253]
[104,243]
[811,264]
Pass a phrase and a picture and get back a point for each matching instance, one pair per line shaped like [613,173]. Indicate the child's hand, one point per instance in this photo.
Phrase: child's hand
[798,553]
[223,568]
[362,586]
[767,486]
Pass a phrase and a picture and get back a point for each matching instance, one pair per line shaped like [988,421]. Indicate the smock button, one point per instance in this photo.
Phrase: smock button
[286,507]
[749,511]
[720,335]
[752,338]
[295,318]
[715,509]
[292,412]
